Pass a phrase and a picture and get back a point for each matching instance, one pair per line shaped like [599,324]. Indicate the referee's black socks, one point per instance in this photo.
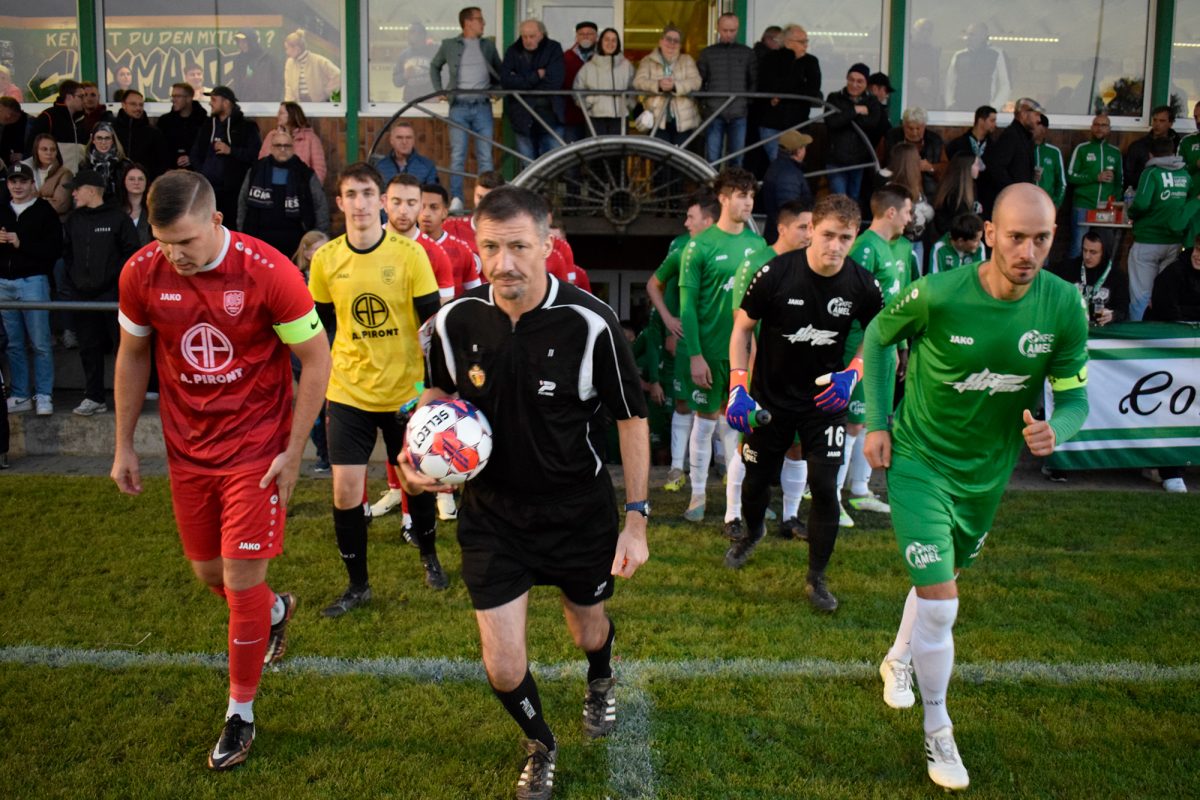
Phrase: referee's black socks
[525,706]
[423,510]
[350,527]
[600,661]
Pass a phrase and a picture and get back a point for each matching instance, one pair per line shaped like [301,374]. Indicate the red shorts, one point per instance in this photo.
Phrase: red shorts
[227,515]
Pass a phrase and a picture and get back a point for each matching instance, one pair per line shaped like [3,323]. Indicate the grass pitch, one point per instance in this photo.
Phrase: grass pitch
[1076,649]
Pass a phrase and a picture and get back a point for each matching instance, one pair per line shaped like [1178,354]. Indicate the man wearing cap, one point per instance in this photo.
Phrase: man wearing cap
[255,74]
[100,237]
[30,243]
[880,85]
[730,67]
[225,148]
[785,181]
[1010,159]
[574,127]
[857,111]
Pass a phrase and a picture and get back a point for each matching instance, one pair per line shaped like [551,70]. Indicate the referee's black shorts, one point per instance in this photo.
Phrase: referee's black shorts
[510,544]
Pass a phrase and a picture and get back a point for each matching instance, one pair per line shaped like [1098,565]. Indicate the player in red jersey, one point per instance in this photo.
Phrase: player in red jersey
[403,205]
[224,309]
[561,261]
[464,227]
[435,208]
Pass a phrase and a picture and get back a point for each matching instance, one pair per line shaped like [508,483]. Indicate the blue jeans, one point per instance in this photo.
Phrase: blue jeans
[29,329]
[771,148]
[848,183]
[476,117]
[1078,229]
[537,142]
[717,130]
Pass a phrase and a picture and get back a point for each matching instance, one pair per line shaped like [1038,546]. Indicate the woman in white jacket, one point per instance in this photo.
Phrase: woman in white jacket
[607,69]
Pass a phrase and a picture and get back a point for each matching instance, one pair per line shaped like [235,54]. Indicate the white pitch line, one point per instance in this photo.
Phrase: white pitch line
[630,759]
[437,670]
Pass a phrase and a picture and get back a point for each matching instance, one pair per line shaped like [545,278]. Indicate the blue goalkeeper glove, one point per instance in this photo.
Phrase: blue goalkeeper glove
[841,385]
[740,411]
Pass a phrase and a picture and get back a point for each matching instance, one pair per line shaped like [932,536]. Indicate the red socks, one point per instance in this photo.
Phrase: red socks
[249,629]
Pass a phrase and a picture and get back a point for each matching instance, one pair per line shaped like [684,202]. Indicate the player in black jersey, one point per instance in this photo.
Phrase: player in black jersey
[547,364]
[805,301]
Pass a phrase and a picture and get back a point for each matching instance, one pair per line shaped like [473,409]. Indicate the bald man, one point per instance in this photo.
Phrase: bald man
[983,341]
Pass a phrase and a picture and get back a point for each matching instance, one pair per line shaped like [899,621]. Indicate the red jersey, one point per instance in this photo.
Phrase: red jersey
[462,228]
[449,285]
[468,268]
[225,376]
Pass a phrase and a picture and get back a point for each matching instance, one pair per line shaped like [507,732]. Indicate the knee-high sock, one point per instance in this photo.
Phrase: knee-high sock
[392,478]
[792,478]
[735,472]
[423,508]
[841,475]
[249,628]
[600,661]
[718,446]
[902,647]
[525,706]
[350,527]
[933,657]
[701,444]
[823,516]
[681,429]
[860,470]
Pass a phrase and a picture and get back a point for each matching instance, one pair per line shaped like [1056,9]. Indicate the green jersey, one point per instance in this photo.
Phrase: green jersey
[746,272]
[668,275]
[976,364]
[891,263]
[1189,149]
[944,257]
[1054,179]
[710,262]
[1159,204]
[1087,162]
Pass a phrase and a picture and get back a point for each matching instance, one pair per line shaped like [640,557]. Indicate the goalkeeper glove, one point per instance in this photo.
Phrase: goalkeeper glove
[841,384]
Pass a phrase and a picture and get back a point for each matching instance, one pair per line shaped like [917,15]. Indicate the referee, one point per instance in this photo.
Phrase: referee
[547,364]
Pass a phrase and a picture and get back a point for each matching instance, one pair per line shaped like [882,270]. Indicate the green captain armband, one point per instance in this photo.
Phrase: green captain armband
[301,329]
[1077,381]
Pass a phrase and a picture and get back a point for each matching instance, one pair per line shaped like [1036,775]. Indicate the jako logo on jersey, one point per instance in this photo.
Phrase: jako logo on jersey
[1034,344]
[235,301]
[721,257]
[919,556]
[813,336]
[255,546]
[967,340]
[546,388]
[793,301]
[839,307]
[174,297]
[990,382]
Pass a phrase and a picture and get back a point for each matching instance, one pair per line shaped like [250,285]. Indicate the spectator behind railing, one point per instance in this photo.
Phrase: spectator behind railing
[141,141]
[15,126]
[59,121]
[1157,207]
[281,198]
[180,125]
[224,150]
[305,141]
[785,181]
[730,67]
[106,156]
[788,70]
[670,75]
[956,193]
[857,112]
[49,174]
[584,49]
[131,196]
[929,144]
[608,69]
[308,77]
[534,62]
[403,158]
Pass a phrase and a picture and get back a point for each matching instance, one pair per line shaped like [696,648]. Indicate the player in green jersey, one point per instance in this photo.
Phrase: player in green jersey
[709,264]
[1048,171]
[794,232]
[984,339]
[886,253]
[663,289]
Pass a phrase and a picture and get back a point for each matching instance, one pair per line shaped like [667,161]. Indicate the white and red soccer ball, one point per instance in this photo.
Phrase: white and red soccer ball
[449,440]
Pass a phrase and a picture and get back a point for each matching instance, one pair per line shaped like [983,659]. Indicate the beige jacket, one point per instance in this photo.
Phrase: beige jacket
[322,75]
[687,80]
[51,188]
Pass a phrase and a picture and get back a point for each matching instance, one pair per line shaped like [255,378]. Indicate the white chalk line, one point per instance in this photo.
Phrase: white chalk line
[630,758]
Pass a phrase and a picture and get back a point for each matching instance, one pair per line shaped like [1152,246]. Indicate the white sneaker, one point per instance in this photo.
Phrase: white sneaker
[1175,486]
[19,405]
[844,520]
[869,502]
[44,407]
[445,507]
[456,205]
[89,407]
[945,765]
[897,683]
[388,501]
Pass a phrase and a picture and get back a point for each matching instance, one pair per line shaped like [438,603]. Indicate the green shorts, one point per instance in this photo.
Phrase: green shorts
[711,400]
[937,531]
[856,412]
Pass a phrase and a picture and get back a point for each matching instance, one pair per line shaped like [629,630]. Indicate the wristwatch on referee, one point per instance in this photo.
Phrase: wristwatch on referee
[641,506]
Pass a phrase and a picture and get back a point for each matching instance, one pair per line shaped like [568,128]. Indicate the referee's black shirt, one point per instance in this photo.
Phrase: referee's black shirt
[543,384]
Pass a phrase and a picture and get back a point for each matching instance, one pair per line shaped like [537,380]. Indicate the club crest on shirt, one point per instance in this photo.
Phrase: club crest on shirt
[1035,343]
[477,376]
[387,275]
[235,301]
[839,307]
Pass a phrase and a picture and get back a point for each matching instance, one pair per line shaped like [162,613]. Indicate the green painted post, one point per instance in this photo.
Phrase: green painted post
[741,8]
[897,36]
[1164,28]
[88,60]
[352,80]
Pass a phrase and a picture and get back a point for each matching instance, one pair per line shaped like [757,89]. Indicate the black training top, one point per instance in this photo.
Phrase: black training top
[543,384]
[805,320]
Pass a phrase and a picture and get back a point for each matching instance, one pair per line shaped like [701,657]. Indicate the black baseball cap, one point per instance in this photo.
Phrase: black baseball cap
[20,171]
[880,79]
[86,177]
[222,91]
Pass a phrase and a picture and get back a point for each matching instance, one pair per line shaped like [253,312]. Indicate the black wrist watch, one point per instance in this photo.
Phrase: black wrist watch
[641,506]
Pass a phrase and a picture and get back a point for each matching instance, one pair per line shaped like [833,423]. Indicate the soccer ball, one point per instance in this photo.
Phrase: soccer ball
[449,440]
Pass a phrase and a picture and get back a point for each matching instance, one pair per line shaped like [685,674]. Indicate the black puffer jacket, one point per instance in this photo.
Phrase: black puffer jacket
[847,144]
[727,68]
